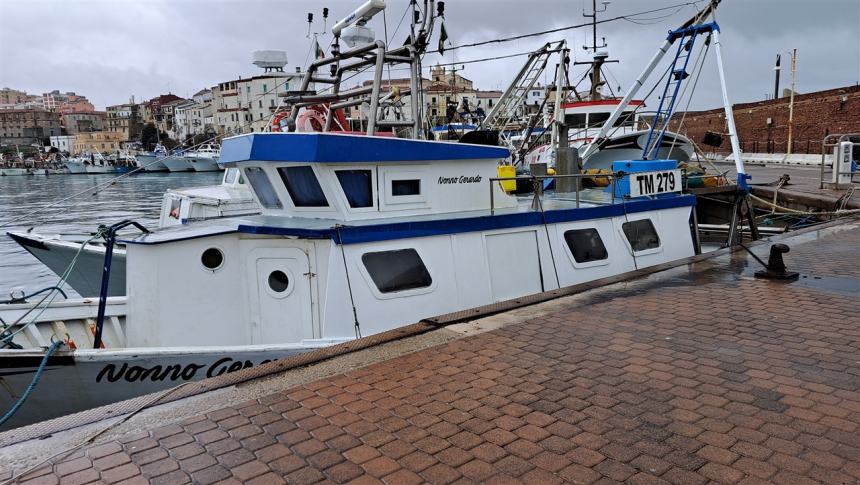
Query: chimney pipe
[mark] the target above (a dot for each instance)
(776, 68)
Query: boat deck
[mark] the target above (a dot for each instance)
(321, 227)
(693, 374)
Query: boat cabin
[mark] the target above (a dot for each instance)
(348, 177)
(361, 234)
(586, 118)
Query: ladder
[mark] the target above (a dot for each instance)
(677, 75)
(514, 96)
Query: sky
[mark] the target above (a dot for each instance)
(111, 50)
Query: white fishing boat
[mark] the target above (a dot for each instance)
(153, 161)
(56, 251)
(176, 162)
(204, 158)
(358, 234)
(13, 171)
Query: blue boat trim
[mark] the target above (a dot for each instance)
(335, 148)
(404, 230)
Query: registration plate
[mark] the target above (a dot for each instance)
(655, 183)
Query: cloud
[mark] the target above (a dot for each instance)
(110, 50)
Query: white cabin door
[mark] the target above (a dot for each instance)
(514, 265)
(283, 312)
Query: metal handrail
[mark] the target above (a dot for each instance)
(825, 145)
(537, 178)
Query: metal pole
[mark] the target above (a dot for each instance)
(776, 80)
(619, 109)
(492, 199)
(791, 101)
(374, 94)
(730, 117)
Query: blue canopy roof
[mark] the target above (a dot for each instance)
(341, 148)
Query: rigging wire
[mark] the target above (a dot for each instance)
(562, 29)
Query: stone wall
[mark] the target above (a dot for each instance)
(763, 126)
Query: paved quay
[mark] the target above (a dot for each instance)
(697, 374)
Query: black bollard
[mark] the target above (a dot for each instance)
(776, 269)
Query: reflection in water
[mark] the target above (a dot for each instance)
(137, 197)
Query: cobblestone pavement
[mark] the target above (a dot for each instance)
(704, 376)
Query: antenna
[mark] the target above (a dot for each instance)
(593, 16)
(325, 19)
(310, 22)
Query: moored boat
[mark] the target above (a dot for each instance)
(204, 158)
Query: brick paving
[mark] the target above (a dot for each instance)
(703, 376)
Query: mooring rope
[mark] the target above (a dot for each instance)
(6, 417)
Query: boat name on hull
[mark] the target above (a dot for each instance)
(174, 372)
(460, 180)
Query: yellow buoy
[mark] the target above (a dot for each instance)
(506, 171)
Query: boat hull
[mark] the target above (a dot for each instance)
(9, 172)
(100, 169)
(86, 276)
(177, 164)
(75, 167)
(88, 378)
(152, 163)
(204, 164)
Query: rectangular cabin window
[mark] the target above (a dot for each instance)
(597, 119)
(406, 187)
(357, 185)
(576, 120)
(585, 245)
(263, 188)
(396, 270)
(641, 234)
(303, 186)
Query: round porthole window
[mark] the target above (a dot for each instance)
(212, 259)
(278, 281)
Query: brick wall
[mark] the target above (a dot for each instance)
(815, 115)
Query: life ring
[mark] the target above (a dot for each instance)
(276, 121)
(312, 119)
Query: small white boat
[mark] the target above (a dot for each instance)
(176, 162)
(153, 161)
(205, 158)
(13, 171)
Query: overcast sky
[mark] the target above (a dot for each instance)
(110, 50)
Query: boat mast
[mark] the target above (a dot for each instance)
(601, 137)
(597, 61)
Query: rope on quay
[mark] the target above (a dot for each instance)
(795, 212)
(6, 417)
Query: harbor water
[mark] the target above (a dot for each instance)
(136, 197)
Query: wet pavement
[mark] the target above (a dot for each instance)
(692, 375)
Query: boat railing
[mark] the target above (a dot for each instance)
(537, 186)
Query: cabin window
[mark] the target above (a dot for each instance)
(597, 118)
(303, 186)
(357, 185)
(263, 188)
(212, 258)
(585, 245)
(406, 187)
(641, 234)
(278, 281)
(575, 120)
(396, 270)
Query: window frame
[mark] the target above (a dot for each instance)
(289, 197)
(341, 194)
(268, 176)
(403, 202)
(629, 244)
(358, 253)
(585, 264)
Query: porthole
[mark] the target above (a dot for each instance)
(279, 281)
(212, 259)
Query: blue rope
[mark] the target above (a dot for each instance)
(32, 385)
